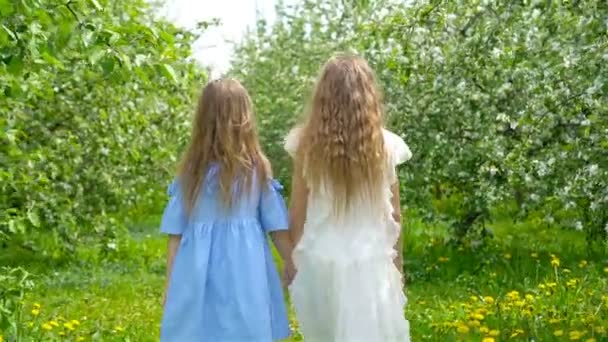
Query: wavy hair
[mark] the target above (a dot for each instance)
(223, 132)
(344, 145)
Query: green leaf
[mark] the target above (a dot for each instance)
(15, 66)
(33, 218)
(108, 64)
(126, 61)
(167, 37)
(9, 32)
(6, 7)
(96, 55)
(96, 4)
(169, 72)
(114, 36)
(51, 60)
(3, 37)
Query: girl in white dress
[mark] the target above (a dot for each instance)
(345, 215)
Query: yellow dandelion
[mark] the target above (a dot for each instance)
(69, 326)
(534, 255)
(62, 333)
(600, 330)
(588, 319)
(119, 329)
(488, 299)
(575, 335)
(516, 333)
(47, 326)
(80, 338)
(1, 338)
(520, 303)
(462, 329)
(605, 269)
(443, 259)
(558, 333)
(507, 256)
(35, 312)
(555, 261)
(529, 297)
(37, 306)
(474, 323)
(587, 340)
(488, 339)
(513, 295)
(582, 264)
(494, 333)
(54, 323)
(572, 282)
(478, 316)
(75, 322)
(484, 329)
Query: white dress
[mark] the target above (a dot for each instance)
(347, 288)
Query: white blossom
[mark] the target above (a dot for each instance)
(593, 169)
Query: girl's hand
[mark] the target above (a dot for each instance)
(289, 272)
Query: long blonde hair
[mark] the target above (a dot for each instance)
(342, 144)
(223, 132)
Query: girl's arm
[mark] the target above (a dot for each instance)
(172, 245)
(297, 206)
(282, 241)
(297, 214)
(397, 217)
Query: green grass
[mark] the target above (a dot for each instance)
(118, 298)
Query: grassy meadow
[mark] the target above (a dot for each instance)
(527, 283)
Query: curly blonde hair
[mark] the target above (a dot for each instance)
(223, 132)
(342, 145)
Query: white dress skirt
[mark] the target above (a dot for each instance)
(347, 288)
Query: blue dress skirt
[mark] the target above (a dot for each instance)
(225, 286)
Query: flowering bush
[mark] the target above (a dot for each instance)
(503, 103)
(95, 102)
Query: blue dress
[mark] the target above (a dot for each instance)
(225, 286)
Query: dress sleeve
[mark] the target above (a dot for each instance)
(292, 141)
(174, 219)
(398, 152)
(402, 151)
(272, 208)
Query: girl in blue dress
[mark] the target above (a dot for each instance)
(222, 283)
